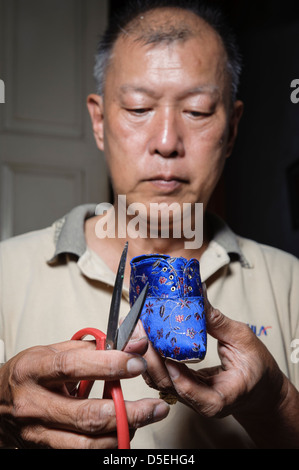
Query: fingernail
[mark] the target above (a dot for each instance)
(173, 370)
(161, 411)
(136, 365)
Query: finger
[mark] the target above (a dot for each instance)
(78, 418)
(37, 436)
(74, 344)
(138, 332)
(193, 390)
(156, 375)
(57, 366)
(140, 413)
(208, 373)
(138, 343)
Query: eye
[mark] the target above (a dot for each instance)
(197, 114)
(138, 111)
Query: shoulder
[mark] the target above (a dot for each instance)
(29, 245)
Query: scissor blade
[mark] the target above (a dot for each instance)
(127, 327)
(115, 302)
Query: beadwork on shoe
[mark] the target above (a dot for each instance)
(173, 314)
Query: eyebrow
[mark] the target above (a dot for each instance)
(202, 89)
(137, 89)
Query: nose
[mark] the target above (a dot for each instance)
(167, 136)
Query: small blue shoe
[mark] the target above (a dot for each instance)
(173, 313)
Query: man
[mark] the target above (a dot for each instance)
(166, 118)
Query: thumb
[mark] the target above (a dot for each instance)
(138, 342)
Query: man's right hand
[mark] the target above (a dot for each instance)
(38, 410)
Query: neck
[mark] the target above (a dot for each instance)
(170, 246)
(110, 247)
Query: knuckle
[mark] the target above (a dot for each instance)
(19, 372)
(217, 318)
(187, 393)
(213, 408)
(32, 436)
(149, 381)
(20, 407)
(164, 384)
(159, 382)
(140, 416)
(63, 364)
(95, 416)
(21, 366)
(208, 407)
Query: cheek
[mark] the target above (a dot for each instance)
(120, 161)
(209, 151)
(124, 150)
(209, 146)
(119, 139)
(215, 133)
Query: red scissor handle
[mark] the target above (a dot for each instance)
(111, 390)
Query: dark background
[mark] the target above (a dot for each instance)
(259, 192)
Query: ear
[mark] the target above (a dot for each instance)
(235, 117)
(96, 110)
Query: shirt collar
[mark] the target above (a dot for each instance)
(227, 239)
(69, 236)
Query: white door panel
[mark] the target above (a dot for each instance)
(48, 158)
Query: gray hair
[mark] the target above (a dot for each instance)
(120, 24)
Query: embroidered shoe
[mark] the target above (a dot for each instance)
(173, 313)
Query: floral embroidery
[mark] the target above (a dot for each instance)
(179, 318)
(149, 307)
(190, 332)
(185, 303)
(160, 333)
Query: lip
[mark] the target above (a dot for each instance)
(166, 183)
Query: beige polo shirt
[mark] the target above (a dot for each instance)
(52, 285)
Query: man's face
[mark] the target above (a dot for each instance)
(166, 124)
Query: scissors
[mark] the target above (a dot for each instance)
(116, 338)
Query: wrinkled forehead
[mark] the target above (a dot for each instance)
(170, 26)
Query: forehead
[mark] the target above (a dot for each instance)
(169, 41)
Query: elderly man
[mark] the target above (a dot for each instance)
(166, 118)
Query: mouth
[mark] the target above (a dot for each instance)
(167, 184)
